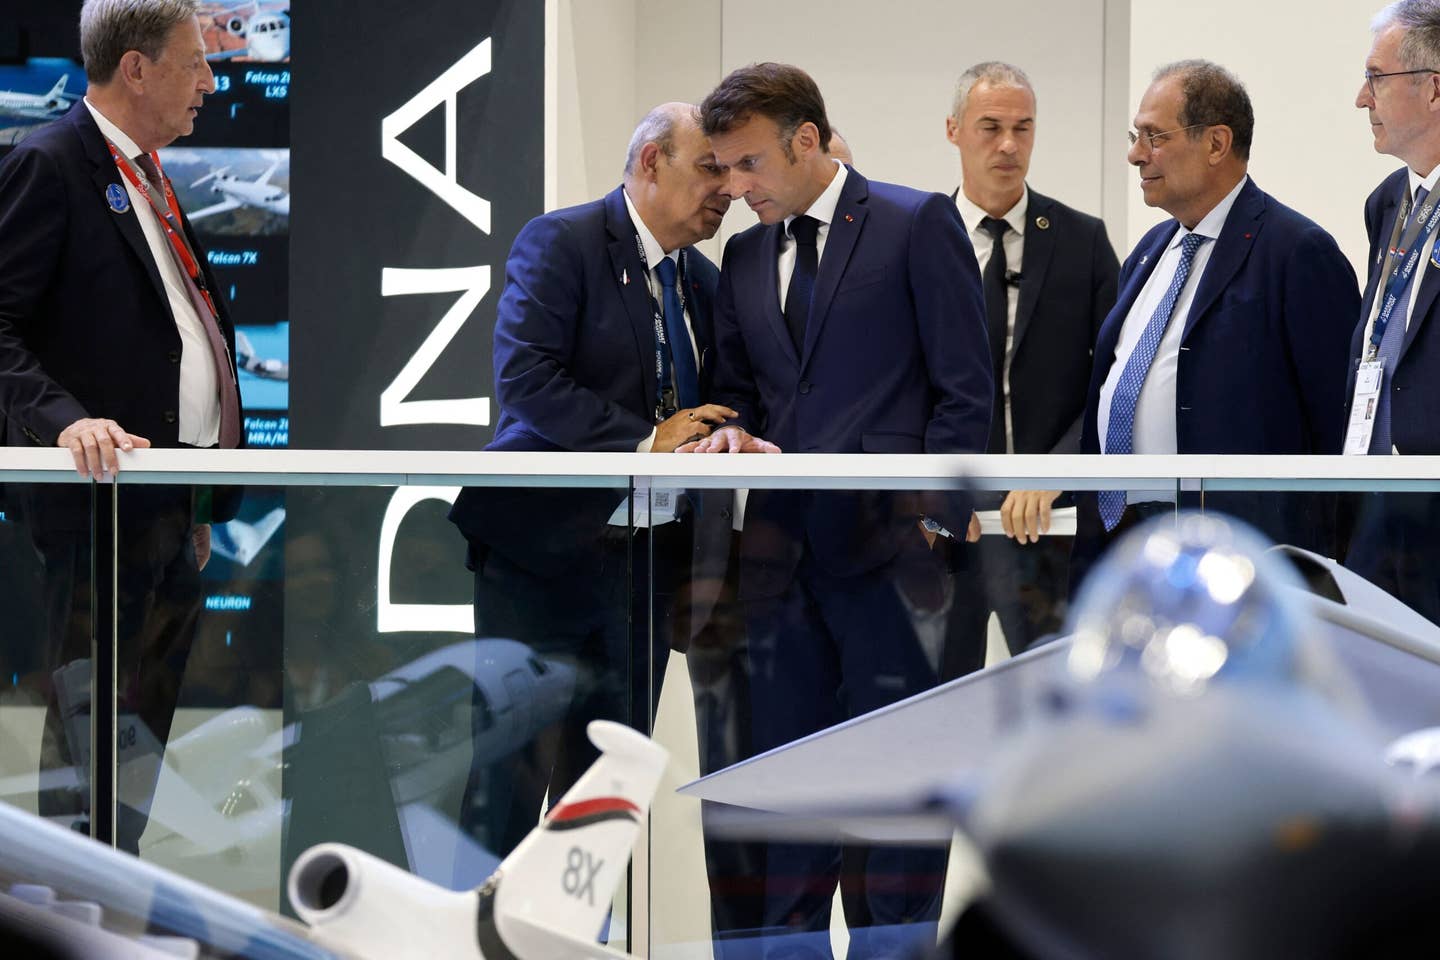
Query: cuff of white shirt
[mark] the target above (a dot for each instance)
(644, 446)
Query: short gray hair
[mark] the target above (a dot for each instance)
(658, 127)
(993, 72)
(111, 28)
(1420, 19)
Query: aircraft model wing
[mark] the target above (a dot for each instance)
(554, 943)
(210, 211)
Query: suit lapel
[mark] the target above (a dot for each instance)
(1035, 261)
(1232, 248)
(702, 323)
(840, 242)
(1149, 258)
(103, 175)
(631, 283)
(1388, 211)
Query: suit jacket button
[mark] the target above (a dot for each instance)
(173, 356)
(804, 386)
(170, 416)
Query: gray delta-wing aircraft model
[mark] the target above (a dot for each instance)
(38, 106)
(547, 901)
(1198, 770)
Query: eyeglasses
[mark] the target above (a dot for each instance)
(1156, 139)
(1371, 76)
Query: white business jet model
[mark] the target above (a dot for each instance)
(38, 106)
(259, 193)
(266, 34)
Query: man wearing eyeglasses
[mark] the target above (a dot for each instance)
(1395, 351)
(1231, 324)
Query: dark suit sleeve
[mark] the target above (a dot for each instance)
(735, 385)
(32, 238)
(536, 334)
(1322, 300)
(1104, 287)
(950, 315)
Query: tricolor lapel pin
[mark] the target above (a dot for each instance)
(624, 278)
(849, 219)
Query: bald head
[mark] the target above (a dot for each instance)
(672, 178)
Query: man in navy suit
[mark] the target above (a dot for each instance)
(1049, 275)
(1232, 323)
(1394, 544)
(849, 320)
(113, 336)
(604, 342)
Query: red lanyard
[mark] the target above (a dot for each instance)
(169, 217)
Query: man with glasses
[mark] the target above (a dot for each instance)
(1395, 350)
(1231, 324)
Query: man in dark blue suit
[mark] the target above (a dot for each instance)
(604, 342)
(849, 320)
(1395, 541)
(1232, 322)
(113, 336)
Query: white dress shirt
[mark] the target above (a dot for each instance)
(1154, 430)
(199, 400)
(1014, 243)
(823, 210)
(653, 255)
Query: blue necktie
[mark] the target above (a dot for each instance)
(1380, 437)
(1120, 437)
(687, 380)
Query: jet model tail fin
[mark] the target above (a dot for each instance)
(59, 87)
(561, 878)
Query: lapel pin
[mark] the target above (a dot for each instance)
(118, 199)
(624, 278)
(1043, 223)
(1144, 259)
(1249, 236)
(849, 219)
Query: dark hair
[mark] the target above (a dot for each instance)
(1213, 96)
(783, 93)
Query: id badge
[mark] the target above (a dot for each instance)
(1363, 406)
(650, 509)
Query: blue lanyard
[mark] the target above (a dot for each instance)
(663, 378)
(1419, 236)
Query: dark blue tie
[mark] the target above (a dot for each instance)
(802, 280)
(1380, 437)
(687, 380)
(1120, 438)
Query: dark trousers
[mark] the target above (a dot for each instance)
(595, 616)
(157, 602)
(825, 650)
(1025, 585)
(1396, 546)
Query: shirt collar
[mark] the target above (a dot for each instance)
(823, 209)
(114, 134)
(1427, 181)
(1211, 224)
(653, 253)
(971, 215)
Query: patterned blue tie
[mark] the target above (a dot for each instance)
(1380, 438)
(687, 381)
(1120, 437)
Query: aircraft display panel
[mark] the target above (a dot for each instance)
(35, 93)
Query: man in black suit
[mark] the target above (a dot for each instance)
(112, 337)
(1394, 544)
(1049, 274)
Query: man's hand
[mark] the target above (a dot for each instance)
(1025, 514)
(93, 444)
(200, 536)
(688, 425)
(729, 440)
(972, 531)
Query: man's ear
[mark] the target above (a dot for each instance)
(1433, 89)
(649, 160)
(952, 130)
(133, 69)
(806, 139)
(1220, 140)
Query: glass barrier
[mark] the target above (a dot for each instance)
(406, 662)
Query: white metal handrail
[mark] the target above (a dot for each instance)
(798, 471)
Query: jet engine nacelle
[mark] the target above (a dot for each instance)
(236, 25)
(365, 906)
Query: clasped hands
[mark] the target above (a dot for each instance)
(702, 430)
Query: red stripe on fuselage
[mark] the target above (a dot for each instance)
(587, 808)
